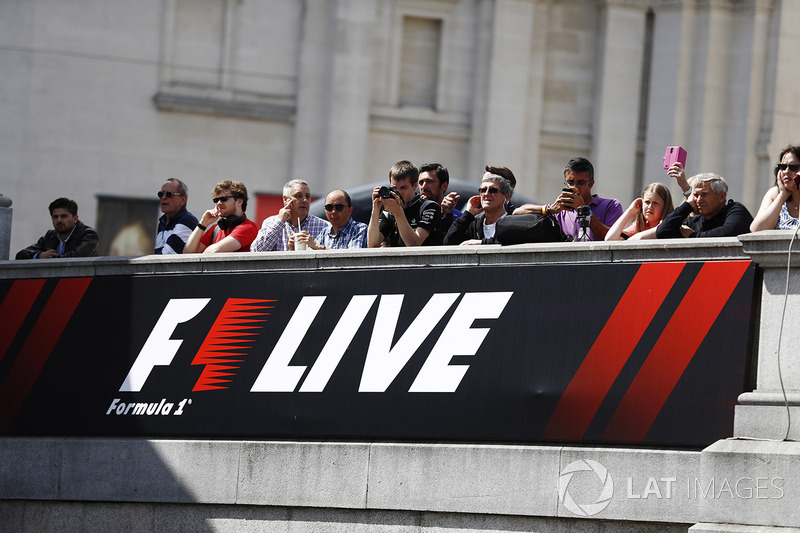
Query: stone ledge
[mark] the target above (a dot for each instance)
(770, 248)
(738, 528)
(25, 516)
(517, 480)
(439, 256)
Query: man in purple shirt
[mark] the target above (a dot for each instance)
(577, 192)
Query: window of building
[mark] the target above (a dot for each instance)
(419, 63)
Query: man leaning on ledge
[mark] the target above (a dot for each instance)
(69, 237)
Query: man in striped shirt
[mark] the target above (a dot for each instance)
(176, 224)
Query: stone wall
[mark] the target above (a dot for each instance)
(746, 483)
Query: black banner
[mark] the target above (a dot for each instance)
(651, 353)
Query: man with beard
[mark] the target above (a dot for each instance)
(69, 237)
(433, 182)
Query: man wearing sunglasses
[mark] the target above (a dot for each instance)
(406, 219)
(713, 216)
(341, 231)
(233, 231)
(477, 224)
(277, 232)
(176, 224)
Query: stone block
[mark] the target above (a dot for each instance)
(352, 521)
(149, 470)
(766, 417)
(12, 516)
(520, 480)
(310, 474)
(738, 528)
(5, 228)
(644, 485)
(220, 519)
(475, 523)
(755, 482)
(86, 517)
(29, 468)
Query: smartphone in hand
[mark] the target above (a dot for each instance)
(674, 154)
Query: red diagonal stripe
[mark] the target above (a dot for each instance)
(612, 348)
(674, 350)
(15, 307)
(38, 346)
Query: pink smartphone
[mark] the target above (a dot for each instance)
(674, 154)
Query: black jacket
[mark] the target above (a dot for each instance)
(466, 227)
(732, 220)
(82, 243)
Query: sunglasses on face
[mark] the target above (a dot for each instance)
(784, 166)
(222, 199)
(338, 207)
(490, 190)
(168, 194)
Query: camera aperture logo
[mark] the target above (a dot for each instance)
(605, 481)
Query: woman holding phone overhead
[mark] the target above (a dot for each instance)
(780, 206)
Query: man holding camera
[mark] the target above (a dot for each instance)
(570, 208)
(406, 219)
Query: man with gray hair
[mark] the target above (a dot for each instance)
(481, 213)
(713, 216)
(176, 224)
(277, 232)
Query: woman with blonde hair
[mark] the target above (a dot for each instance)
(643, 216)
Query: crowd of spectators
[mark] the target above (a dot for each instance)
(415, 209)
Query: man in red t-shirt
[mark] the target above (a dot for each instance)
(233, 231)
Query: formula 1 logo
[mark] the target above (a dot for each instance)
(240, 321)
(603, 499)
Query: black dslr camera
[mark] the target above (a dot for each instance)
(386, 192)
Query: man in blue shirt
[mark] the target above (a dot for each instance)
(341, 231)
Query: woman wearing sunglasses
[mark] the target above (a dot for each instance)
(477, 224)
(779, 208)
